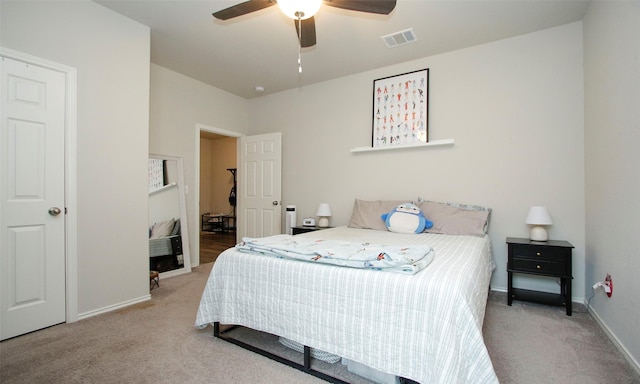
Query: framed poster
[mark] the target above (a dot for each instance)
(157, 174)
(400, 109)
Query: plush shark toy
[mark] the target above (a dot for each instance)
(406, 218)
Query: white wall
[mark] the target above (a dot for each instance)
(514, 108)
(111, 54)
(164, 205)
(612, 134)
(177, 104)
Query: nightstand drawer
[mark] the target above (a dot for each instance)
(539, 266)
(176, 245)
(544, 253)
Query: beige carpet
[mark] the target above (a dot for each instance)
(155, 342)
(531, 343)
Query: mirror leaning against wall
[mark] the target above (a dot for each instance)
(168, 235)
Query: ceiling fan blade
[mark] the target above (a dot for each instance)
(243, 9)
(383, 7)
(308, 32)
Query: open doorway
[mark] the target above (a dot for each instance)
(217, 192)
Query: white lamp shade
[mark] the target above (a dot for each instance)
(324, 210)
(302, 9)
(538, 215)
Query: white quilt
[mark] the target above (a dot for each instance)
(426, 327)
(353, 254)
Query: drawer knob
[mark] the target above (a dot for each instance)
(537, 253)
(538, 266)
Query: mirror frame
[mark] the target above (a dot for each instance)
(182, 202)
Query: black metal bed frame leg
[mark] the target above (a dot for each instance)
(305, 367)
(307, 357)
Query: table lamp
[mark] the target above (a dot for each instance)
(324, 213)
(538, 217)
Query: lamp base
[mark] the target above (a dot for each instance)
(538, 233)
(323, 222)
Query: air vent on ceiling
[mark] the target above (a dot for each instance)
(399, 38)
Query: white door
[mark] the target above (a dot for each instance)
(259, 187)
(32, 212)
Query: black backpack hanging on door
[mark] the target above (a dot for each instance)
(232, 196)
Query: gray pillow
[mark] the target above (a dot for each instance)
(176, 228)
(366, 214)
(162, 229)
(456, 219)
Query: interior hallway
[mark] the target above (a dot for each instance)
(213, 243)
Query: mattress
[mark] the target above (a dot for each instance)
(425, 327)
(160, 246)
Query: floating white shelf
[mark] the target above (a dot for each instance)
(164, 187)
(433, 143)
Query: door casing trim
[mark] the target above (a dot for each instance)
(70, 172)
(196, 190)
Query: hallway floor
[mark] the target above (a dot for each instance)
(213, 243)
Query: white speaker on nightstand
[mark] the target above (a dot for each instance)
(290, 219)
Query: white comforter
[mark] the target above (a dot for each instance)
(353, 254)
(426, 327)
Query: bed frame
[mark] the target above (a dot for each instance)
(468, 362)
(305, 367)
(165, 257)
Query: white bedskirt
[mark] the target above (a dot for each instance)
(426, 327)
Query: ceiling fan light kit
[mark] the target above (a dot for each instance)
(299, 9)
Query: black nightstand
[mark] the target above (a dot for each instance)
(550, 258)
(303, 229)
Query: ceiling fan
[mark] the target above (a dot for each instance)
(302, 11)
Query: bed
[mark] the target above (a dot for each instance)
(425, 326)
(165, 246)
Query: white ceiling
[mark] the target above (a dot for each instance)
(261, 48)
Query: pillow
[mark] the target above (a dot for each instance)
(176, 228)
(367, 214)
(162, 229)
(456, 219)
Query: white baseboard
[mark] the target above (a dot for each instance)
(625, 352)
(114, 307)
(174, 272)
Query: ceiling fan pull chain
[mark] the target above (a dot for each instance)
(299, 44)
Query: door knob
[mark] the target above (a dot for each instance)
(275, 203)
(54, 211)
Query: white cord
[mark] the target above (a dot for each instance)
(299, 44)
(593, 293)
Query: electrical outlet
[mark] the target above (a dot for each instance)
(608, 285)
